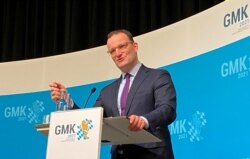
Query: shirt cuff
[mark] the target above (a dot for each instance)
(146, 122)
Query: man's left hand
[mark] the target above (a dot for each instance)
(136, 123)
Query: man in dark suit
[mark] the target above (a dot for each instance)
(149, 101)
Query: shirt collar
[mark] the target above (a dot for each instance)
(134, 70)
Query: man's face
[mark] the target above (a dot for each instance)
(123, 51)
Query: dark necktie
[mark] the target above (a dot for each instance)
(125, 94)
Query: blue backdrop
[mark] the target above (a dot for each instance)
(213, 109)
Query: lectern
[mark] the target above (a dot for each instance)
(80, 133)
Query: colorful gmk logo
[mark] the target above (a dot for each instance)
(83, 129)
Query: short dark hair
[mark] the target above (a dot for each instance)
(129, 35)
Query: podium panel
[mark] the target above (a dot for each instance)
(75, 134)
(115, 131)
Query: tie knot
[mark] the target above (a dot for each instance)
(127, 75)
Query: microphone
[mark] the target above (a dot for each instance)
(91, 92)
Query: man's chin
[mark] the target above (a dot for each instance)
(121, 66)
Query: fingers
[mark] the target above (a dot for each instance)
(55, 95)
(56, 85)
(56, 88)
(136, 123)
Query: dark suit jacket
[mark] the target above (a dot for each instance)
(151, 95)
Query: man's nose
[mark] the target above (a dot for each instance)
(117, 52)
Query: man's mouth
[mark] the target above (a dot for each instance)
(120, 59)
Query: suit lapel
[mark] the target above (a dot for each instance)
(139, 78)
(115, 96)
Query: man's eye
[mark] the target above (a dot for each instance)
(122, 46)
(112, 51)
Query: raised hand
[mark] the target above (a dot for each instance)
(56, 89)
